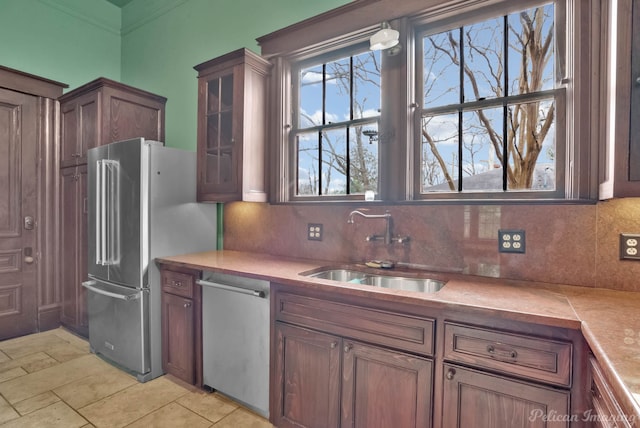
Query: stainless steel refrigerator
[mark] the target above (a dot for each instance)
(142, 205)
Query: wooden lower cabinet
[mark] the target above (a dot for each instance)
(178, 340)
(182, 325)
(384, 388)
(606, 410)
(325, 380)
(473, 398)
(307, 378)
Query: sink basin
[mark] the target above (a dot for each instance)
(422, 285)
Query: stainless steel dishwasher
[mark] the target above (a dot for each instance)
(235, 338)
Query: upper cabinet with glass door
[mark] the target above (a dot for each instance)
(231, 127)
(620, 165)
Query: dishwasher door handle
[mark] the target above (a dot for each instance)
(255, 293)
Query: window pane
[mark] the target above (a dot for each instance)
(482, 150)
(531, 50)
(366, 85)
(483, 60)
(441, 70)
(338, 96)
(532, 147)
(363, 158)
(307, 148)
(439, 160)
(310, 97)
(334, 162)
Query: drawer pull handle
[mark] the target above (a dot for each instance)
(510, 353)
(334, 344)
(450, 374)
(177, 283)
(347, 347)
(187, 305)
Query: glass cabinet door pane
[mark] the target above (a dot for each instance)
(221, 150)
(213, 96)
(227, 92)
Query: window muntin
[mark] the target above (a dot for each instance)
(337, 109)
(489, 100)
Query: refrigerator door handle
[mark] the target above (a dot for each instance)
(90, 285)
(112, 232)
(99, 212)
(107, 220)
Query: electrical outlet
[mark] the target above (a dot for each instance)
(314, 232)
(511, 241)
(629, 246)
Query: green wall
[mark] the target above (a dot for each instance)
(150, 44)
(71, 41)
(159, 55)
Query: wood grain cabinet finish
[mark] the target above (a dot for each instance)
(386, 328)
(474, 398)
(231, 127)
(181, 325)
(98, 113)
(606, 410)
(104, 111)
(519, 355)
(345, 365)
(73, 248)
(620, 158)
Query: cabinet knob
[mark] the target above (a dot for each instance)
(348, 347)
(333, 345)
(177, 283)
(187, 304)
(451, 373)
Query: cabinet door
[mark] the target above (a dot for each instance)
(221, 141)
(384, 388)
(475, 399)
(307, 378)
(73, 254)
(80, 128)
(178, 337)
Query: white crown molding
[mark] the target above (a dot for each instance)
(140, 12)
(86, 11)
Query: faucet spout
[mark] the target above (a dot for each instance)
(386, 216)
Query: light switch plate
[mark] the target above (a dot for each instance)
(629, 246)
(511, 241)
(314, 231)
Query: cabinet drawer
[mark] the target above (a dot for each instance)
(385, 328)
(525, 356)
(177, 283)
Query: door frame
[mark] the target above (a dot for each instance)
(47, 219)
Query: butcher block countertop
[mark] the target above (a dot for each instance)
(609, 320)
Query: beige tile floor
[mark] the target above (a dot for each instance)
(51, 379)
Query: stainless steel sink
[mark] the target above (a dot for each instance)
(422, 285)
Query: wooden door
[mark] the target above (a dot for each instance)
(474, 399)
(384, 388)
(18, 222)
(178, 339)
(307, 378)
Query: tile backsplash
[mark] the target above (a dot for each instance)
(565, 244)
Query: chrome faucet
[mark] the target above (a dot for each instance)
(388, 239)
